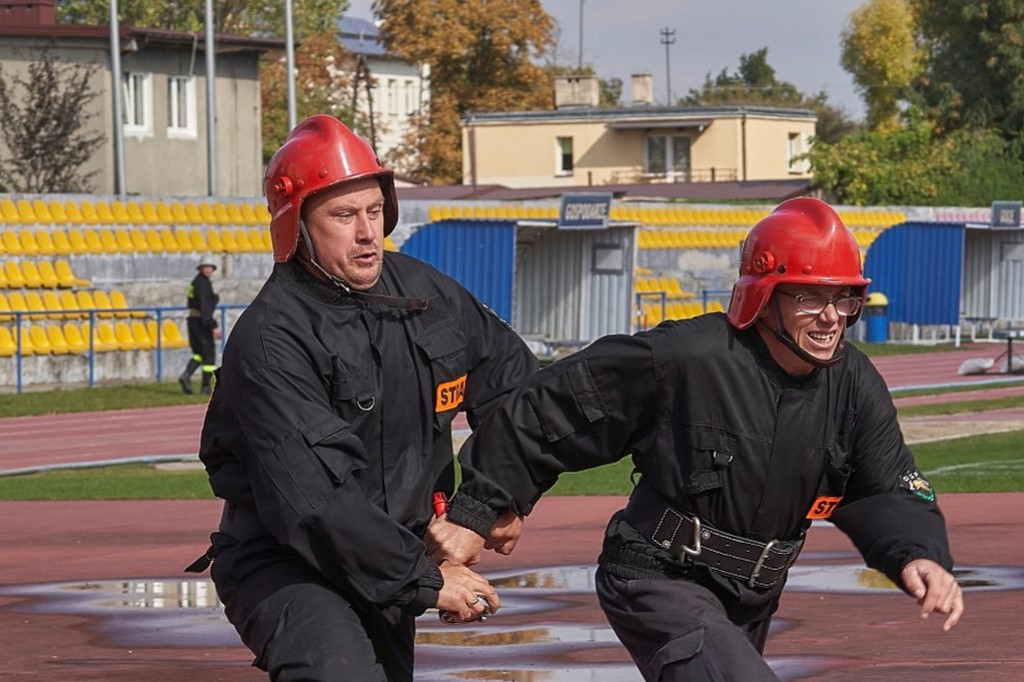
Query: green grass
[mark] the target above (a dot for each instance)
(956, 407)
(130, 482)
(880, 349)
(120, 397)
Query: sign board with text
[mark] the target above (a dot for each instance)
(584, 211)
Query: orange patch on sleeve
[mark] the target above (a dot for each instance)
(822, 507)
(450, 394)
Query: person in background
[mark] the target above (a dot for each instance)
(330, 428)
(202, 327)
(744, 428)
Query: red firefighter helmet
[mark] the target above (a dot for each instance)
(803, 241)
(320, 152)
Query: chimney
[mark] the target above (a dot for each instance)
(577, 91)
(27, 13)
(640, 88)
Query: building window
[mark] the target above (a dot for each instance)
(181, 107)
(794, 151)
(668, 156)
(564, 164)
(411, 106)
(392, 97)
(138, 117)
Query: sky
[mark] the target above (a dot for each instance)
(623, 37)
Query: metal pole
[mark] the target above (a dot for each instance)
(115, 87)
(580, 65)
(289, 51)
(211, 109)
(668, 37)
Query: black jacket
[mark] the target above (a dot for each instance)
(330, 425)
(719, 431)
(201, 299)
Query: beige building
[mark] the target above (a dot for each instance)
(578, 144)
(163, 81)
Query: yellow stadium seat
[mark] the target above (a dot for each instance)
(65, 276)
(153, 241)
(61, 244)
(141, 335)
(12, 270)
(5, 307)
(89, 213)
(30, 272)
(29, 247)
(119, 302)
(58, 215)
(248, 214)
(16, 301)
(104, 215)
(108, 241)
(25, 211)
(12, 243)
(164, 214)
(196, 240)
(214, 240)
(139, 241)
(262, 214)
(44, 241)
(51, 302)
(9, 211)
(172, 336)
(3, 278)
(69, 302)
(125, 338)
(35, 305)
(86, 302)
(105, 338)
(101, 301)
(73, 337)
(123, 240)
(234, 214)
(73, 213)
(119, 212)
(168, 242)
(150, 215)
(76, 240)
(58, 344)
(42, 211)
(206, 213)
(229, 242)
(192, 213)
(220, 213)
(92, 241)
(39, 340)
(134, 211)
(178, 215)
(8, 345)
(242, 240)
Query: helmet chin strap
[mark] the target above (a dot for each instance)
(784, 337)
(392, 301)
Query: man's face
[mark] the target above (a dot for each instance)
(207, 270)
(346, 225)
(816, 330)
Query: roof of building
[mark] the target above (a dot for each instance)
(751, 190)
(646, 116)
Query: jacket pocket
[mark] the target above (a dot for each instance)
(709, 454)
(308, 466)
(445, 347)
(567, 402)
(353, 393)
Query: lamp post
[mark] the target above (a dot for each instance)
(668, 37)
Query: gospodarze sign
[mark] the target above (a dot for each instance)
(584, 211)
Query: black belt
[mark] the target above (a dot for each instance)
(241, 523)
(759, 564)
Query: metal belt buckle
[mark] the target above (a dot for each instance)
(695, 550)
(760, 563)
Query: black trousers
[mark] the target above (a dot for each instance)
(678, 631)
(302, 629)
(201, 341)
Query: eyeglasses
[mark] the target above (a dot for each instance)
(813, 304)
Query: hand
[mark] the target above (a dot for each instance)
(217, 333)
(935, 589)
(466, 596)
(505, 533)
(452, 543)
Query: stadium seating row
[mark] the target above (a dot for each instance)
(84, 212)
(126, 240)
(45, 274)
(73, 337)
(724, 238)
(672, 216)
(65, 304)
(655, 285)
(652, 314)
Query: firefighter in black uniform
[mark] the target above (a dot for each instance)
(744, 427)
(329, 430)
(202, 327)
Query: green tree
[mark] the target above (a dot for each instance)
(44, 130)
(481, 55)
(880, 51)
(974, 73)
(755, 84)
(240, 17)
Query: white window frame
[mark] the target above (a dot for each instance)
(138, 103)
(411, 103)
(560, 169)
(392, 93)
(174, 85)
(796, 147)
(670, 173)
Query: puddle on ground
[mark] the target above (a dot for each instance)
(523, 643)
